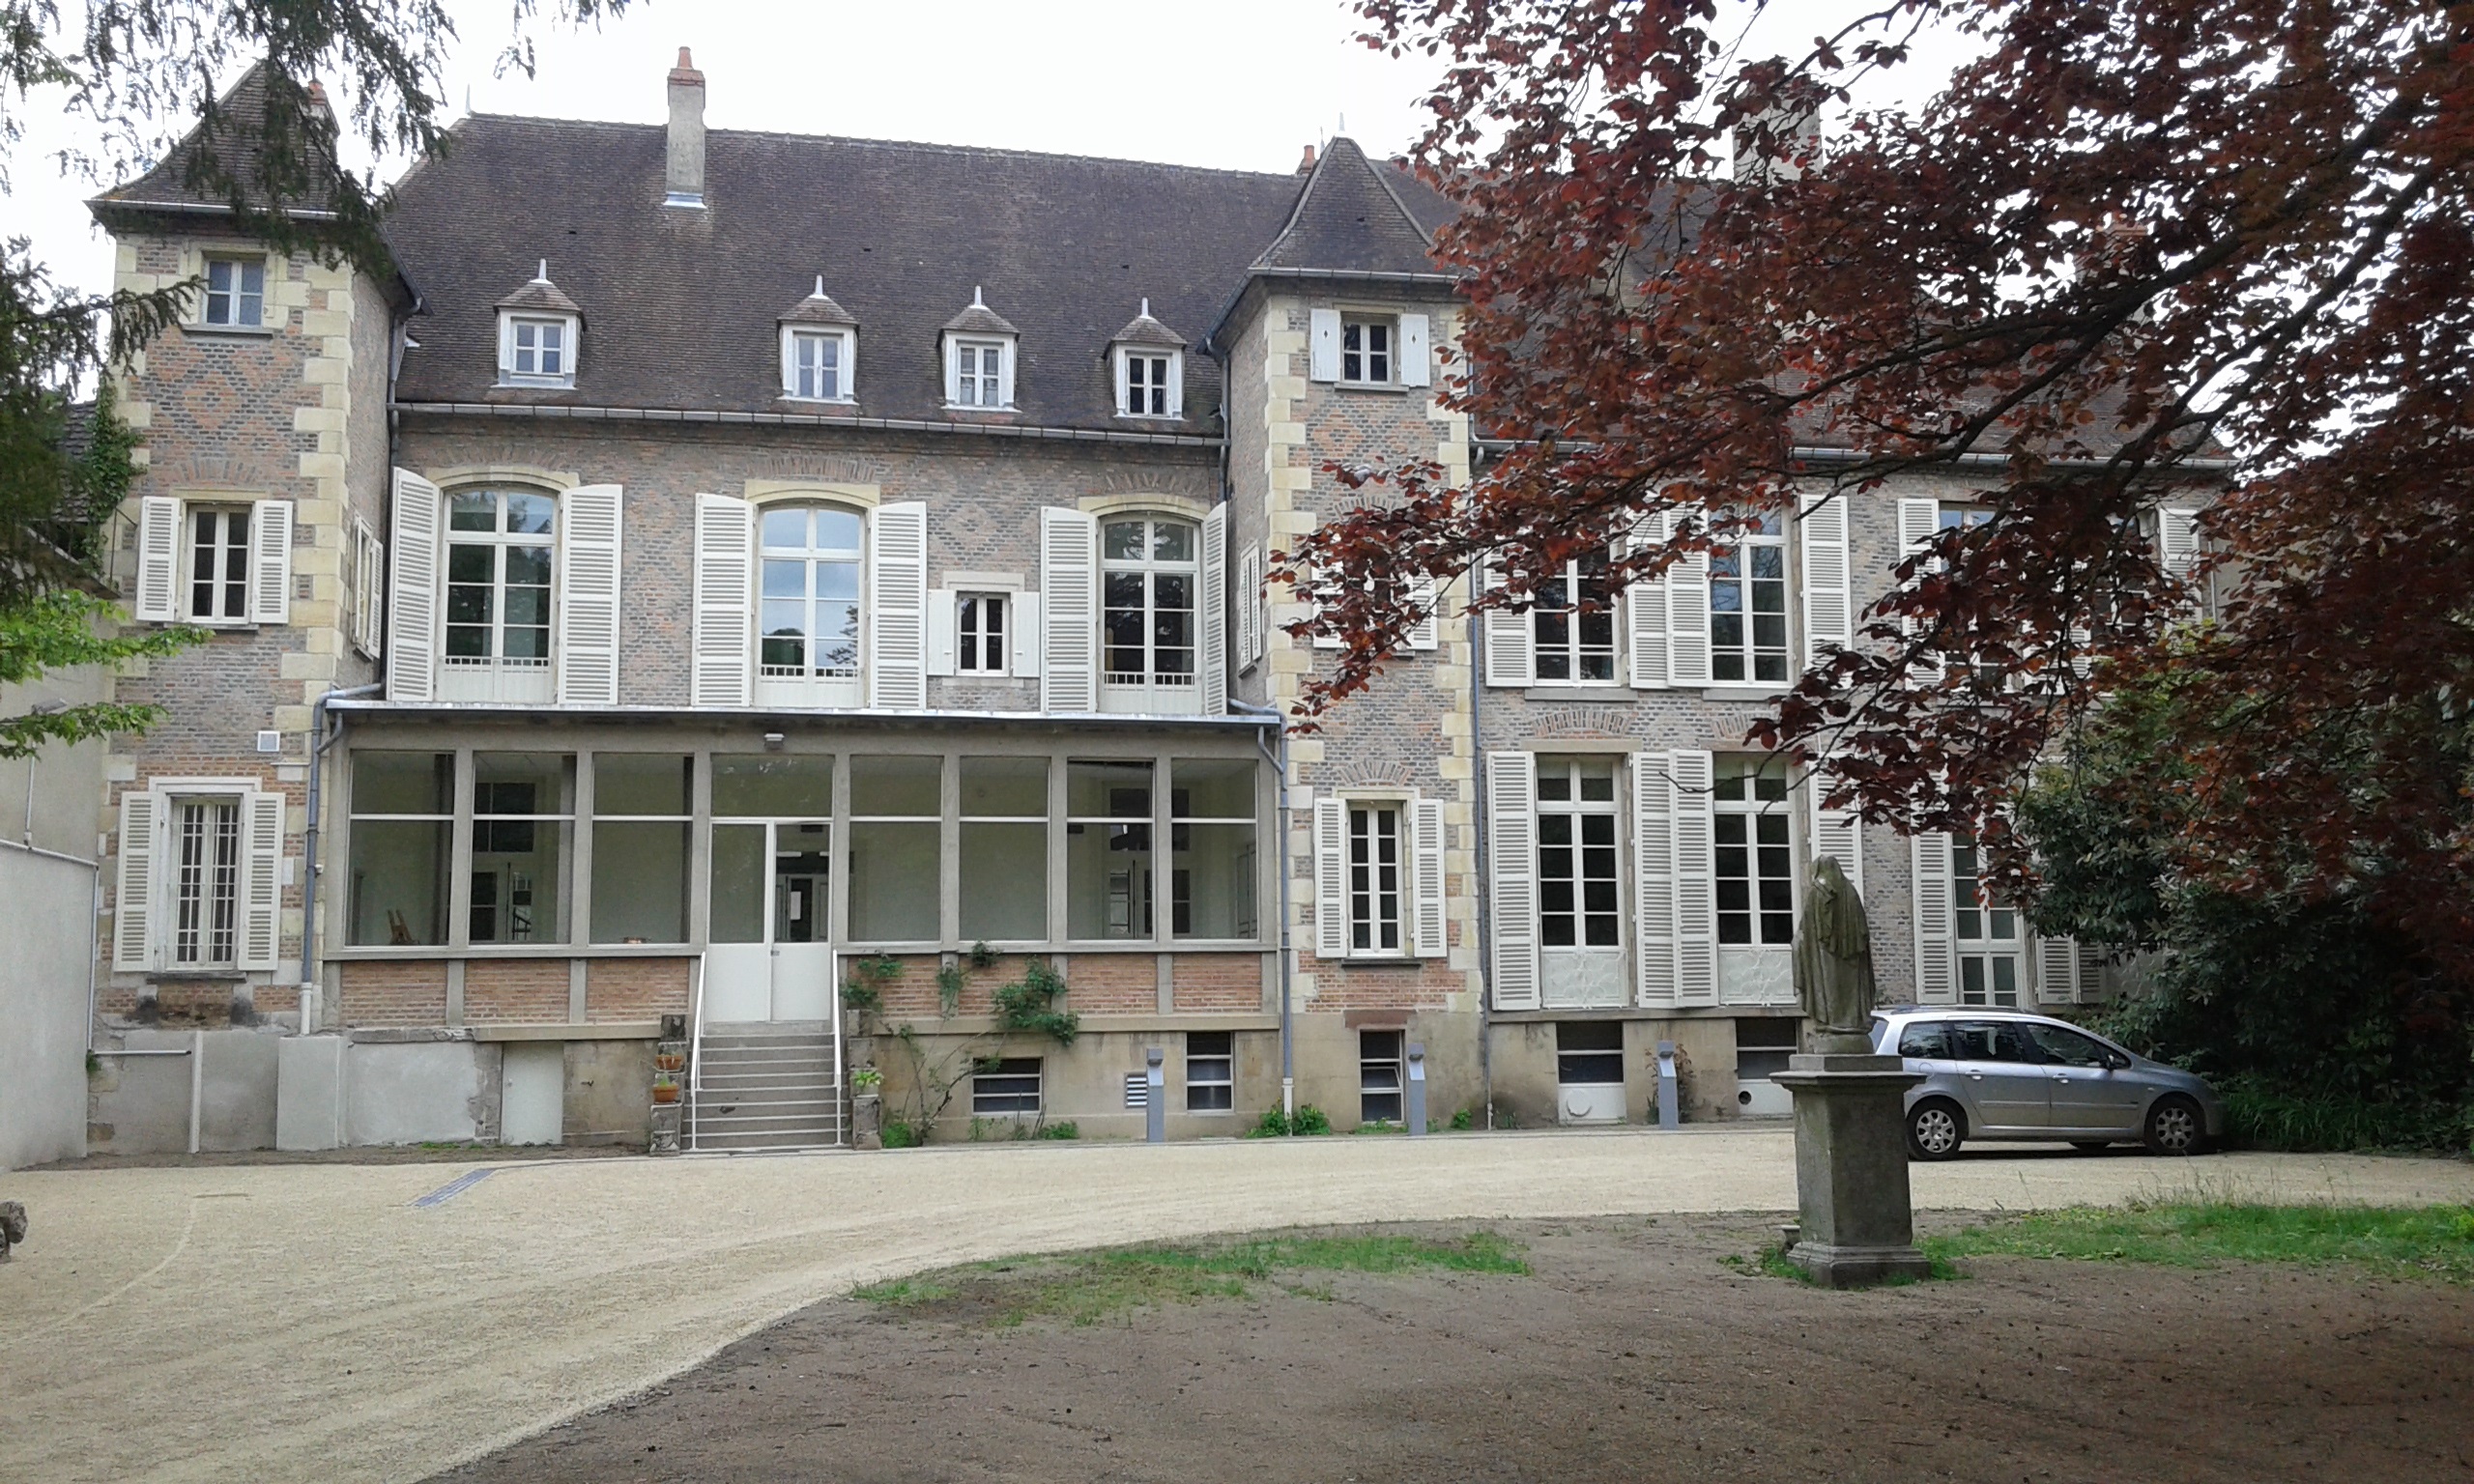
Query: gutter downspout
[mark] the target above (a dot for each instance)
(1287, 1038)
(317, 740)
(1484, 873)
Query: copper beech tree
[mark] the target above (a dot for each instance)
(2213, 247)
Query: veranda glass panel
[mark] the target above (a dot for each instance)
(739, 883)
(894, 881)
(757, 785)
(1004, 881)
(639, 880)
(398, 887)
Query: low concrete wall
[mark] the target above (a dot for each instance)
(420, 1092)
(46, 943)
(610, 1092)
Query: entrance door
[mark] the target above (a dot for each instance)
(771, 957)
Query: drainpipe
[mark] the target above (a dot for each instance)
(1485, 875)
(317, 740)
(1288, 1040)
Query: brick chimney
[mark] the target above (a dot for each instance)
(686, 180)
(1306, 166)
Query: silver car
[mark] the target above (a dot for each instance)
(2001, 1074)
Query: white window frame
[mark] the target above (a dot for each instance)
(1168, 388)
(512, 370)
(496, 676)
(810, 686)
(1577, 807)
(226, 548)
(1372, 1067)
(845, 367)
(1211, 1069)
(1149, 690)
(1747, 653)
(1572, 650)
(979, 346)
(177, 802)
(977, 652)
(146, 904)
(1358, 359)
(236, 295)
(1753, 811)
(1364, 883)
(368, 566)
(1983, 950)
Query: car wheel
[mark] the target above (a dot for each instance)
(2091, 1146)
(1934, 1130)
(2175, 1126)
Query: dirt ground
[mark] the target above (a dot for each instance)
(1630, 1351)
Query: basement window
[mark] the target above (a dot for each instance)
(1007, 1086)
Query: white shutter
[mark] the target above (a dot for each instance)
(1511, 823)
(1330, 879)
(261, 879)
(158, 559)
(2177, 541)
(1920, 521)
(132, 905)
(1416, 350)
(1214, 603)
(897, 606)
(721, 674)
(1250, 605)
(270, 561)
(588, 595)
(2092, 976)
(1005, 376)
(1323, 344)
(2056, 969)
(944, 632)
(1830, 612)
(1838, 834)
(411, 589)
(1936, 969)
(366, 564)
(1688, 620)
(1653, 877)
(1512, 655)
(1645, 609)
(1696, 906)
(1176, 384)
(1069, 624)
(1026, 635)
(1427, 836)
(1427, 632)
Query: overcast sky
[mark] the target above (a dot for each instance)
(1240, 84)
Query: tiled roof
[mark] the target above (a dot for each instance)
(241, 119)
(817, 308)
(1143, 330)
(542, 295)
(980, 320)
(1352, 217)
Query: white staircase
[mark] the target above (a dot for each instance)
(768, 1085)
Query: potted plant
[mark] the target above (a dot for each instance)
(665, 1089)
(669, 1061)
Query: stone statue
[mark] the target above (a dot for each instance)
(1834, 961)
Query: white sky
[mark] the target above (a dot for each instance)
(1241, 84)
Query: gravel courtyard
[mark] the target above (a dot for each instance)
(327, 1321)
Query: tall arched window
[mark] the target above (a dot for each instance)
(1150, 576)
(810, 581)
(501, 547)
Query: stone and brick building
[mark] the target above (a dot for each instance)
(718, 568)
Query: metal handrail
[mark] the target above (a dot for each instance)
(694, 1057)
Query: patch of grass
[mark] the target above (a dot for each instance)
(1085, 1288)
(2403, 1242)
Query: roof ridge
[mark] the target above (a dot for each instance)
(985, 150)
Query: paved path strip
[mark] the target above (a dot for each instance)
(312, 1321)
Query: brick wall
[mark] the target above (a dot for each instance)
(1113, 984)
(635, 988)
(525, 991)
(1219, 981)
(394, 992)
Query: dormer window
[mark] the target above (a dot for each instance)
(539, 330)
(819, 350)
(979, 359)
(1150, 369)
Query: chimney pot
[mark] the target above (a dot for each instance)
(1306, 166)
(685, 175)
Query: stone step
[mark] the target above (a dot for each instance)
(743, 1100)
(762, 1144)
(824, 1124)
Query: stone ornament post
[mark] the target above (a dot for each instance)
(1855, 1223)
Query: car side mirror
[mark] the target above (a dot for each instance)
(2118, 1061)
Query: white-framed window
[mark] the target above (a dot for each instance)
(217, 588)
(1753, 861)
(204, 889)
(1150, 383)
(1368, 352)
(976, 373)
(811, 571)
(501, 550)
(1150, 576)
(1007, 1087)
(368, 566)
(1379, 1058)
(1378, 849)
(983, 632)
(236, 292)
(818, 365)
(1985, 934)
(1573, 625)
(1211, 1072)
(1748, 607)
(537, 350)
(1579, 892)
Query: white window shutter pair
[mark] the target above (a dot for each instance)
(144, 817)
(412, 588)
(1511, 651)
(159, 520)
(590, 517)
(2068, 972)
(897, 613)
(1213, 615)
(1069, 629)
(1511, 859)
(1323, 344)
(1645, 612)
(719, 671)
(1422, 822)
(1830, 612)
(1936, 951)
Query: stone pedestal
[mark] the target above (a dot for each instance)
(866, 1120)
(664, 1138)
(1857, 1226)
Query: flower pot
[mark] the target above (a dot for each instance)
(665, 1092)
(669, 1061)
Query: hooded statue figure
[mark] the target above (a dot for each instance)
(1834, 954)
